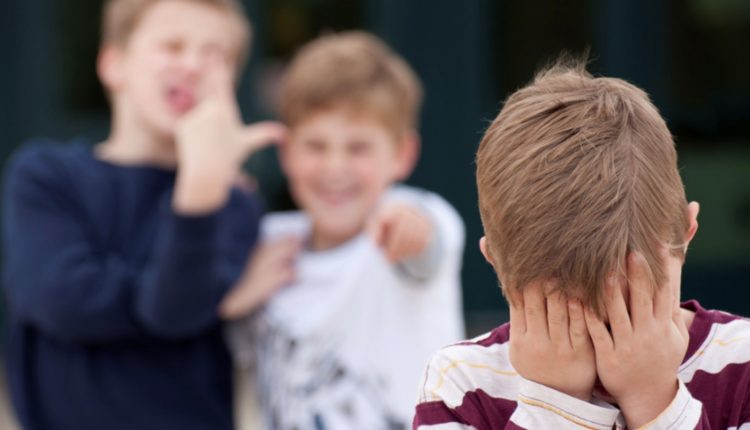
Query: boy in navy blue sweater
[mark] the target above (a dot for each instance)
(117, 255)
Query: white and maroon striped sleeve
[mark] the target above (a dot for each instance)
(714, 389)
(473, 386)
(541, 407)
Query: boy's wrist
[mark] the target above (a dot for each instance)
(640, 408)
(199, 191)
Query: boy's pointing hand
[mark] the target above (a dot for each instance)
(402, 231)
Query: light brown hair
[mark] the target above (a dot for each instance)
(121, 17)
(574, 173)
(354, 70)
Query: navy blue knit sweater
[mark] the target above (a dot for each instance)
(113, 296)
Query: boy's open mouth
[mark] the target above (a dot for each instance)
(180, 99)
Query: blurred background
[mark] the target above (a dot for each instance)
(692, 56)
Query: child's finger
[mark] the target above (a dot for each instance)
(664, 300)
(557, 317)
(679, 321)
(535, 310)
(640, 288)
(579, 336)
(377, 229)
(261, 134)
(397, 242)
(219, 78)
(617, 311)
(409, 245)
(517, 316)
(600, 337)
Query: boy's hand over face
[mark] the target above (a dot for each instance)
(402, 231)
(270, 267)
(549, 343)
(212, 143)
(638, 361)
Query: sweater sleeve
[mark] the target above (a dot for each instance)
(58, 280)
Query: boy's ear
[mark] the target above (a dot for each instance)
(109, 67)
(485, 251)
(693, 210)
(408, 154)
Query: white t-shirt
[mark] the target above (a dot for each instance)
(345, 346)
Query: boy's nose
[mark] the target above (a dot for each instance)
(193, 62)
(336, 162)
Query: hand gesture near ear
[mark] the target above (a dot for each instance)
(638, 361)
(212, 143)
(549, 343)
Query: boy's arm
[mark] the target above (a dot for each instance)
(177, 294)
(60, 281)
(270, 268)
(212, 142)
(409, 238)
(55, 277)
(417, 230)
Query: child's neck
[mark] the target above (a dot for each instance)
(131, 144)
(323, 241)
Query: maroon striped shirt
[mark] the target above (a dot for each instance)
(472, 385)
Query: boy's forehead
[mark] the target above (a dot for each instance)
(344, 118)
(189, 19)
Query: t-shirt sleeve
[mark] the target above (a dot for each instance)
(59, 280)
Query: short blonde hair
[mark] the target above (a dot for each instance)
(355, 70)
(121, 17)
(574, 173)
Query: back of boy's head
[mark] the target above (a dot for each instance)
(120, 18)
(352, 70)
(573, 174)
